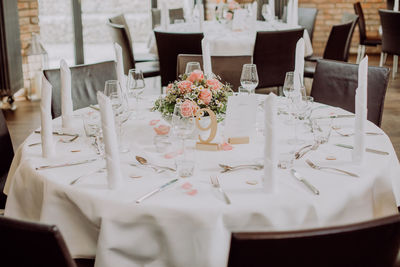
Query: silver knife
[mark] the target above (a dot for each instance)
(58, 133)
(304, 181)
(66, 164)
(367, 149)
(337, 116)
(157, 190)
(94, 107)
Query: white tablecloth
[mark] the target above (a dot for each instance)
(173, 228)
(225, 42)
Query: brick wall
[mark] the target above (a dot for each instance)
(28, 22)
(330, 13)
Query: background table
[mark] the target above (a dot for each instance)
(173, 228)
(225, 42)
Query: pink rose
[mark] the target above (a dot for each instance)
(185, 86)
(205, 95)
(214, 84)
(169, 88)
(195, 76)
(187, 108)
(162, 129)
(153, 122)
(228, 16)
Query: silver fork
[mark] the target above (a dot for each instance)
(299, 155)
(70, 140)
(312, 165)
(215, 183)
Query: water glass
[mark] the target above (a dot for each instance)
(161, 142)
(91, 123)
(249, 77)
(322, 128)
(192, 66)
(185, 163)
(136, 87)
(245, 91)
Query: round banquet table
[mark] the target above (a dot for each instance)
(225, 42)
(189, 224)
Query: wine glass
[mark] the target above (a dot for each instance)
(136, 87)
(119, 104)
(249, 77)
(183, 125)
(192, 66)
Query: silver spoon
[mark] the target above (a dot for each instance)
(144, 161)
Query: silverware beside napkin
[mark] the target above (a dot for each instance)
(370, 150)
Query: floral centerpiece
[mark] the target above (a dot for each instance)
(195, 91)
(226, 10)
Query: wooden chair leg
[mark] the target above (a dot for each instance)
(381, 59)
(395, 64)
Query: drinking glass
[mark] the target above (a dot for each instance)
(136, 87)
(119, 104)
(322, 128)
(192, 66)
(249, 77)
(183, 125)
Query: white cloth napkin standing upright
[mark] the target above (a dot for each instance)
(271, 6)
(289, 12)
(270, 152)
(200, 8)
(361, 112)
(254, 15)
(120, 66)
(46, 130)
(396, 5)
(299, 63)
(114, 175)
(292, 13)
(205, 46)
(164, 16)
(66, 98)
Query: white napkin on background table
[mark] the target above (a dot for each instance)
(66, 98)
(361, 112)
(46, 130)
(292, 13)
(396, 5)
(299, 63)
(205, 47)
(164, 16)
(120, 66)
(270, 152)
(254, 15)
(200, 8)
(114, 175)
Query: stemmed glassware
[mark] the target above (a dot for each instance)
(120, 107)
(183, 125)
(249, 77)
(192, 66)
(136, 87)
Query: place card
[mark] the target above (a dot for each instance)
(240, 121)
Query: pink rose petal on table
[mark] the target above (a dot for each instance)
(192, 192)
(162, 129)
(153, 122)
(225, 146)
(187, 186)
(173, 154)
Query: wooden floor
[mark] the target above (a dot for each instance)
(27, 116)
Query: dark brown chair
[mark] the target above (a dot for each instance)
(390, 21)
(307, 17)
(155, 17)
(120, 20)
(373, 243)
(6, 157)
(26, 243)
(169, 46)
(86, 80)
(337, 47)
(274, 55)
(228, 68)
(335, 84)
(174, 14)
(365, 40)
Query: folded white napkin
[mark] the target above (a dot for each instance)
(114, 175)
(66, 98)
(120, 66)
(361, 112)
(46, 130)
(205, 46)
(271, 6)
(299, 63)
(200, 8)
(164, 16)
(289, 12)
(292, 13)
(254, 15)
(270, 152)
(396, 5)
